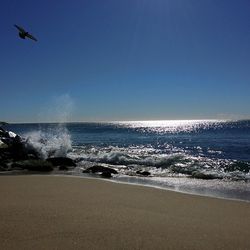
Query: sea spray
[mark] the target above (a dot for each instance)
(59, 109)
(55, 142)
(62, 108)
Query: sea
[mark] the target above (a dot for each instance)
(202, 157)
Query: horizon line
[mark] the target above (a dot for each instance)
(116, 121)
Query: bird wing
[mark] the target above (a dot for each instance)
(31, 37)
(19, 28)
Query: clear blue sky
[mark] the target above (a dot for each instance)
(125, 60)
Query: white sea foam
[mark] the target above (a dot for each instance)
(53, 143)
(170, 163)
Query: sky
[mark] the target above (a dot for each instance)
(107, 60)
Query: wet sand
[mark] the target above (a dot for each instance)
(55, 212)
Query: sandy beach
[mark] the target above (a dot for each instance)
(56, 212)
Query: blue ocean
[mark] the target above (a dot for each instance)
(205, 157)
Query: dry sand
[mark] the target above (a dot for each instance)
(55, 212)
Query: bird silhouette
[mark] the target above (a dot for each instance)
(23, 33)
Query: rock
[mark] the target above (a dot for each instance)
(5, 155)
(144, 173)
(106, 174)
(19, 153)
(3, 145)
(3, 166)
(12, 146)
(205, 176)
(3, 123)
(100, 169)
(15, 153)
(33, 165)
(2, 169)
(61, 161)
(3, 132)
(63, 168)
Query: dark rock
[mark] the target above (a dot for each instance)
(3, 132)
(5, 155)
(100, 169)
(3, 168)
(12, 146)
(106, 174)
(3, 145)
(15, 153)
(33, 165)
(32, 156)
(3, 165)
(183, 170)
(3, 123)
(61, 161)
(63, 168)
(144, 173)
(205, 176)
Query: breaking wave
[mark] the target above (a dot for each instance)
(55, 142)
(163, 164)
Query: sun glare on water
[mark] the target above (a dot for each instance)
(171, 126)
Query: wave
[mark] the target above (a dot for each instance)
(171, 164)
(120, 158)
(54, 142)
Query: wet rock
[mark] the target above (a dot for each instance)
(12, 146)
(182, 170)
(62, 168)
(3, 132)
(3, 145)
(100, 169)
(3, 166)
(106, 174)
(33, 165)
(16, 153)
(144, 173)
(61, 161)
(205, 176)
(2, 169)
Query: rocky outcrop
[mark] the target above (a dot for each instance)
(61, 161)
(17, 154)
(13, 147)
(33, 165)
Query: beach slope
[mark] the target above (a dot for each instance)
(55, 212)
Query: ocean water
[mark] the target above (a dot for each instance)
(206, 157)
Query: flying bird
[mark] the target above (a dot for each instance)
(23, 34)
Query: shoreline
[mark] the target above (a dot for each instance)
(115, 180)
(138, 182)
(47, 212)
